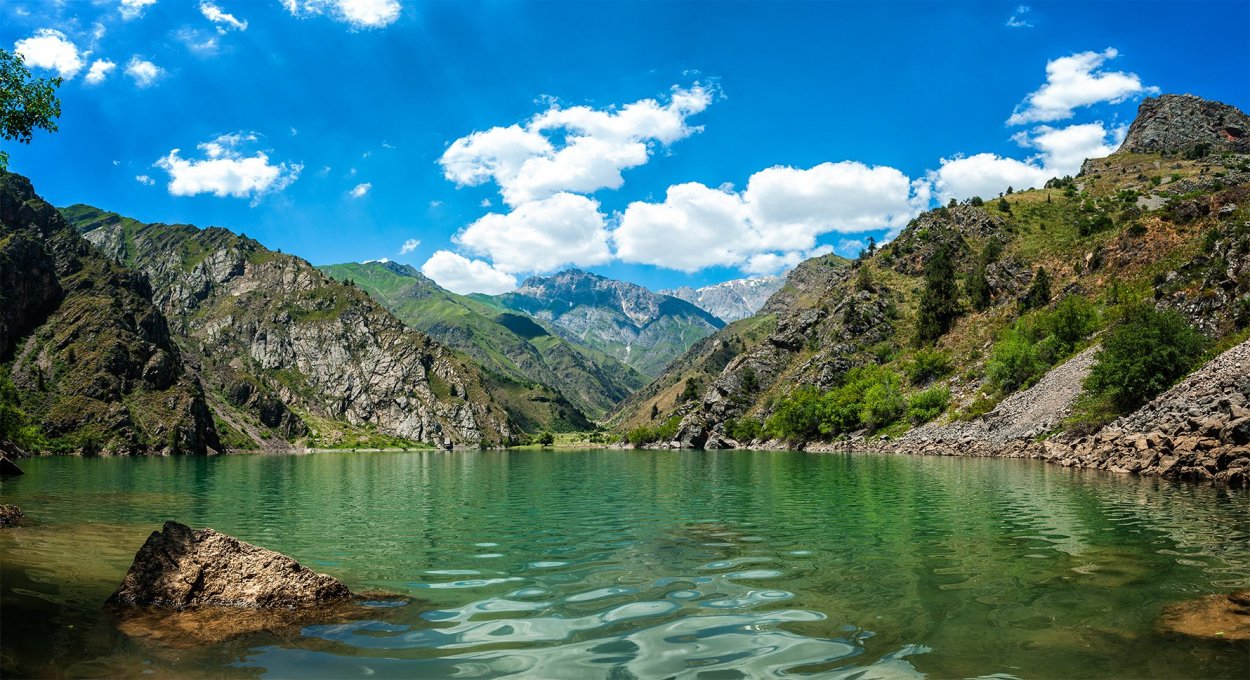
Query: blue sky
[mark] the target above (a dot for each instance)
(662, 143)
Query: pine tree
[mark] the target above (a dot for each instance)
(1039, 292)
(977, 287)
(939, 303)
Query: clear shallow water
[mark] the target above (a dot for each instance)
(645, 564)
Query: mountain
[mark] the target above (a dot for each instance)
(643, 329)
(1132, 229)
(288, 354)
(1185, 124)
(504, 342)
(730, 300)
(90, 358)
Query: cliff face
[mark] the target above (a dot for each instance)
(1185, 124)
(571, 377)
(90, 354)
(286, 351)
(643, 329)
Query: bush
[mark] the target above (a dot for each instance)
(15, 425)
(976, 201)
(928, 404)
(1038, 341)
(798, 416)
(646, 435)
(1144, 353)
(869, 397)
(883, 403)
(743, 429)
(546, 438)
(1013, 362)
(927, 366)
(1038, 294)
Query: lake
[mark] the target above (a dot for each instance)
(644, 564)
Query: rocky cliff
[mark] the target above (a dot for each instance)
(289, 353)
(730, 300)
(640, 328)
(1185, 124)
(90, 355)
(560, 374)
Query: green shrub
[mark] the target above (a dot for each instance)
(1038, 294)
(743, 429)
(927, 366)
(1038, 341)
(928, 404)
(546, 438)
(798, 416)
(646, 435)
(1144, 353)
(870, 397)
(883, 403)
(15, 425)
(1013, 362)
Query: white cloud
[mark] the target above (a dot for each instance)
(358, 13)
(409, 246)
(361, 189)
(1018, 19)
(462, 275)
(224, 20)
(145, 180)
(133, 9)
(100, 69)
(774, 221)
(850, 247)
(565, 229)
(199, 42)
(1061, 152)
(1075, 81)
(575, 149)
(226, 171)
(143, 71)
(50, 49)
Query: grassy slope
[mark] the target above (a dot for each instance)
(1139, 254)
(505, 343)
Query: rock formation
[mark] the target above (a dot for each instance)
(730, 300)
(1183, 123)
(183, 568)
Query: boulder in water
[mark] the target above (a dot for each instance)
(10, 515)
(1219, 617)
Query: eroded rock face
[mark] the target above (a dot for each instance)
(1177, 123)
(184, 568)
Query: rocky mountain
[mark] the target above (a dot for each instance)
(1171, 233)
(288, 354)
(640, 328)
(730, 300)
(504, 342)
(90, 357)
(1185, 124)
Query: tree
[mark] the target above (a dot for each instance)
(939, 303)
(655, 411)
(1039, 293)
(546, 438)
(872, 246)
(977, 287)
(1004, 206)
(26, 104)
(1144, 353)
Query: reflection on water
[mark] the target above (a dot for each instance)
(645, 564)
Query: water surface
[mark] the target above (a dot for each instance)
(617, 564)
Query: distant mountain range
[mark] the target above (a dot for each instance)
(502, 341)
(730, 300)
(643, 329)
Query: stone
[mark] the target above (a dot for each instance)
(8, 467)
(180, 568)
(10, 515)
(1219, 617)
(1237, 432)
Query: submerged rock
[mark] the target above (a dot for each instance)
(180, 567)
(199, 586)
(10, 515)
(1220, 617)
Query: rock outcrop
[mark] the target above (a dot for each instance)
(183, 568)
(8, 467)
(10, 515)
(290, 353)
(1185, 124)
(92, 358)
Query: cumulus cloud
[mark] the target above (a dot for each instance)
(1074, 81)
(1061, 151)
(772, 224)
(564, 229)
(575, 149)
(100, 69)
(409, 246)
(143, 72)
(361, 189)
(357, 13)
(226, 170)
(133, 9)
(462, 275)
(1018, 18)
(224, 20)
(50, 49)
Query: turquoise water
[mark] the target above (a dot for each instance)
(618, 564)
